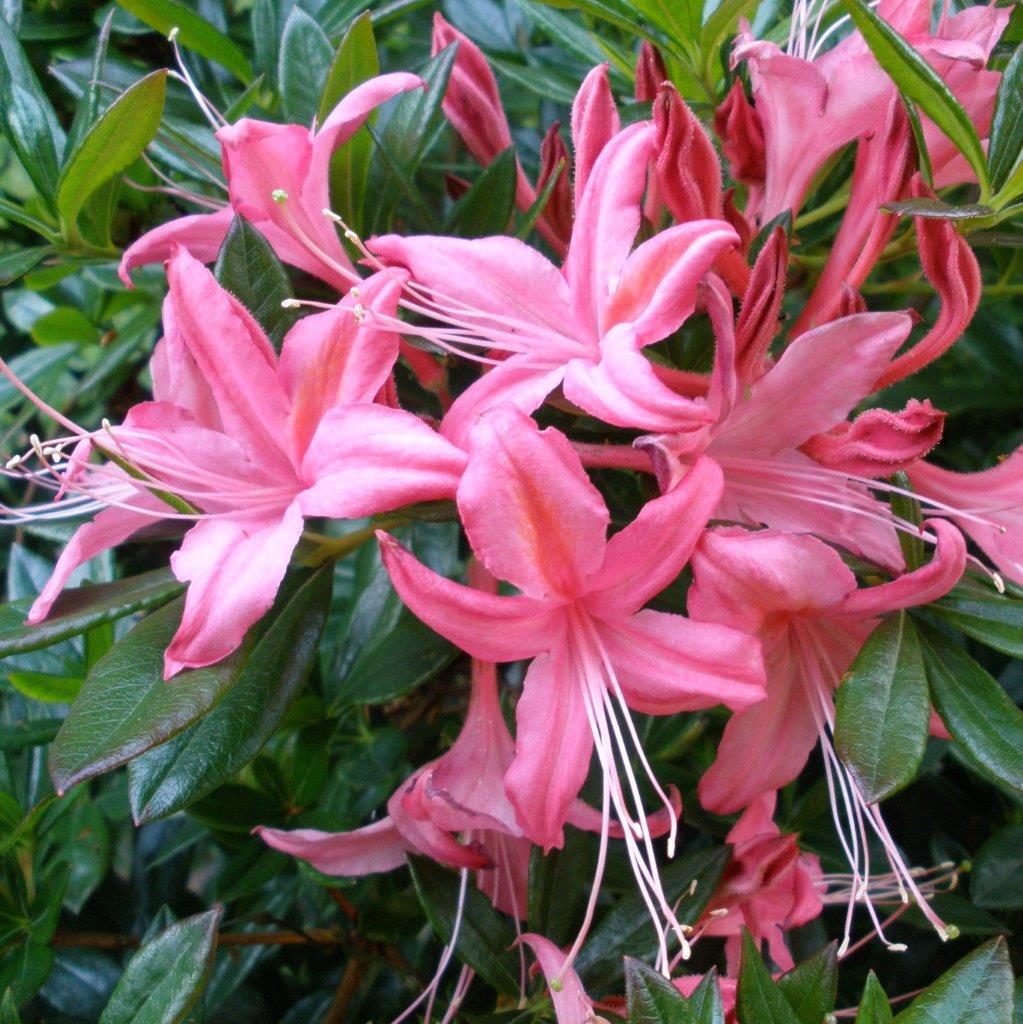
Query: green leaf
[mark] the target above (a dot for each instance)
(50, 689)
(166, 976)
(64, 325)
(305, 60)
(810, 987)
(882, 710)
(356, 61)
(977, 990)
(248, 268)
(719, 24)
(485, 937)
(628, 926)
(651, 999)
(918, 81)
(24, 968)
(20, 261)
(559, 883)
(996, 880)
(112, 144)
(680, 20)
(32, 733)
(976, 608)
(874, 1008)
(9, 1009)
(201, 758)
(194, 33)
(89, 103)
(486, 209)
(79, 610)
(706, 1000)
(1006, 140)
(126, 706)
(759, 1000)
(976, 710)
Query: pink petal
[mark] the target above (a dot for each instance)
(200, 233)
(656, 291)
(645, 556)
(571, 1003)
(666, 663)
(606, 221)
(594, 123)
(553, 744)
(364, 459)
(177, 379)
(486, 626)
(365, 851)
(234, 569)
(234, 356)
(529, 509)
(819, 378)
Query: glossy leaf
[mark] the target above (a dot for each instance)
(248, 268)
(996, 879)
(126, 707)
(165, 978)
(980, 611)
(79, 610)
(882, 710)
(486, 209)
(706, 1000)
(874, 1008)
(810, 987)
(758, 999)
(1006, 142)
(201, 758)
(113, 143)
(918, 81)
(977, 990)
(305, 60)
(194, 33)
(651, 999)
(976, 710)
(485, 937)
(20, 261)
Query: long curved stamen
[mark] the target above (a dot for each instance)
(210, 112)
(281, 198)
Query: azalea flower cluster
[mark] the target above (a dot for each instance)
(761, 480)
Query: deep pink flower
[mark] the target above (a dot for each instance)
(262, 159)
(255, 444)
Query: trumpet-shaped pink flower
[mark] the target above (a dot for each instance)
(582, 326)
(768, 887)
(534, 519)
(798, 597)
(254, 444)
(278, 178)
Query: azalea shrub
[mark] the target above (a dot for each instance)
(513, 511)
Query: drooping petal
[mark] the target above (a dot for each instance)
(819, 378)
(666, 664)
(529, 509)
(645, 556)
(594, 123)
(571, 1003)
(234, 569)
(200, 233)
(365, 851)
(553, 744)
(364, 459)
(486, 626)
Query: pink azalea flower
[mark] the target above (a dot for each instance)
(534, 519)
(768, 887)
(798, 597)
(813, 101)
(254, 444)
(571, 1003)
(582, 326)
(278, 178)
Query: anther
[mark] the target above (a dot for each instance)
(13, 462)
(897, 947)
(173, 34)
(359, 312)
(997, 580)
(290, 304)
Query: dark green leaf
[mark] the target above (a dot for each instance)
(27, 118)
(24, 968)
(651, 999)
(486, 208)
(34, 369)
(248, 268)
(874, 1008)
(628, 926)
(996, 880)
(79, 610)
(113, 143)
(1006, 143)
(485, 937)
(89, 104)
(976, 710)
(9, 1009)
(194, 33)
(882, 710)
(206, 755)
(559, 884)
(20, 261)
(126, 706)
(166, 976)
(706, 1000)
(810, 987)
(759, 999)
(978, 990)
(976, 608)
(918, 81)
(33, 733)
(721, 23)
(305, 60)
